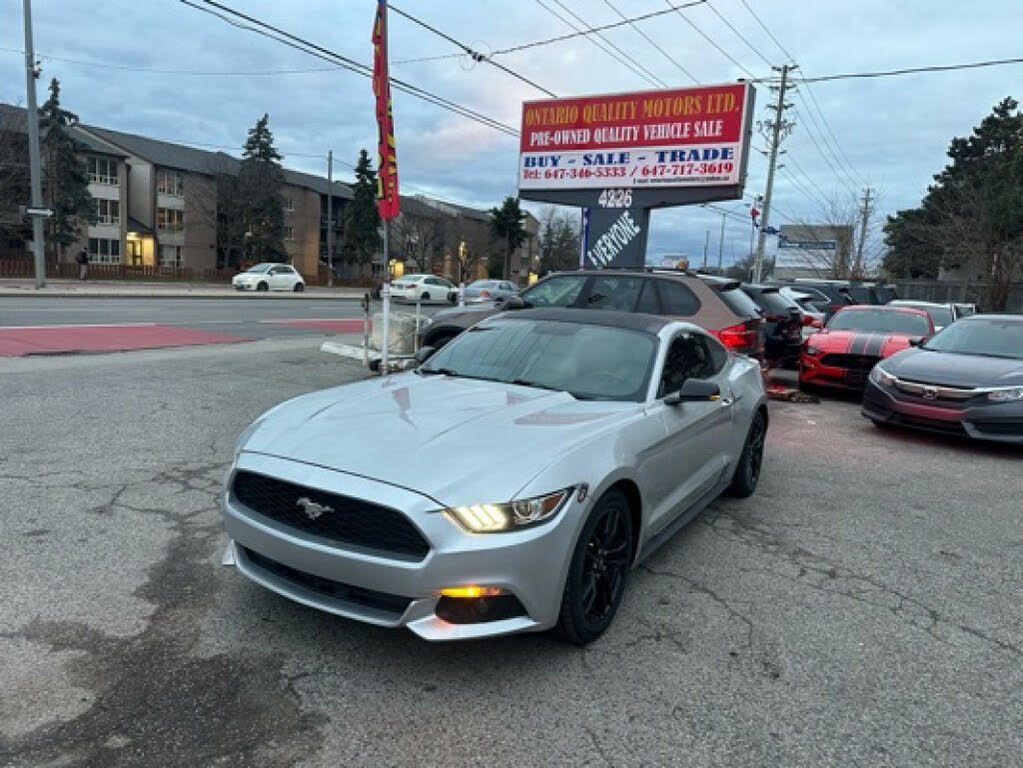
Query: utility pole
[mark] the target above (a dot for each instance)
(864, 218)
(706, 246)
(32, 117)
(721, 243)
(779, 128)
(330, 218)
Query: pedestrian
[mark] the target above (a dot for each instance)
(83, 264)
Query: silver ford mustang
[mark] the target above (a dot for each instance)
(506, 485)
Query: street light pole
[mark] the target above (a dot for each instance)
(32, 118)
(779, 129)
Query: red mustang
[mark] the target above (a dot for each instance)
(842, 353)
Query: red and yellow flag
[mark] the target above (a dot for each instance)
(387, 156)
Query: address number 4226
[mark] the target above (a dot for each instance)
(615, 198)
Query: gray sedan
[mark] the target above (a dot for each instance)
(489, 290)
(507, 485)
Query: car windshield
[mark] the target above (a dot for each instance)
(591, 362)
(258, 268)
(991, 337)
(880, 321)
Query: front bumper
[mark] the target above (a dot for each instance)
(392, 591)
(812, 371)
(996, 422)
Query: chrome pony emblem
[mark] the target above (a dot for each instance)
(311, 508)
(930, 393)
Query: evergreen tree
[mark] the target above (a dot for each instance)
(361, 238)
(65, 176)
(506, 226)
(258, 195)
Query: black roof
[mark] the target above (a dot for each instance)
(633, 321)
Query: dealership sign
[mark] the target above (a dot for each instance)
(651, 142)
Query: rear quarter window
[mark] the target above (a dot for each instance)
(773, 303)
(740, 303)
(677, 299)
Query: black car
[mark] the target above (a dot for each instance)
(783, 323)
(843, 292)
(965, 380)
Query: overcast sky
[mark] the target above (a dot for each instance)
(112, 59)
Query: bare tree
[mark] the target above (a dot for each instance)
(14, 176)
(420, 237)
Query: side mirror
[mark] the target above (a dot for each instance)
(423, 354)
(815, 323)
(514, 302)
(699, 390)
(809, 319)
(916, 341)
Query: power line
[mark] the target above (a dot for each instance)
(789, 157)
(651, 76)
(650, 40)
(475, 55)
(739, 35)
(594, 30)
(619, 59)
(912, 70)
(809, 90)
(326, 54)
(706, 37)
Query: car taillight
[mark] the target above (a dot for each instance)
(485, 294)
(410, 285)
(742, 337)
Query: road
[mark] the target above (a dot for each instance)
(861, 609)
(252, 317)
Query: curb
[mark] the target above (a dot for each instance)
(235, 296)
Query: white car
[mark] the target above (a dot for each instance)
(269, 277)
(423, 288)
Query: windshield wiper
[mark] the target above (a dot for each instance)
(444, 371)
(528, 383)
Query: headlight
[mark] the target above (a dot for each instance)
(1007, 395)
(881, 377)
(513, 516)
(811, 350)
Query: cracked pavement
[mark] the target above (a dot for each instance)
(862, 608)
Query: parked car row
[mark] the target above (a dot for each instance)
(965, 378)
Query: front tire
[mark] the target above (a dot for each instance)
(299, 287)
(263, 287)
(747, 471)
(425, 297)
(598, 571)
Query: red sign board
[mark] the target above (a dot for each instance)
(680, 137)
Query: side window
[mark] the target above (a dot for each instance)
(690, 356)
(677, 299)
(614, 292)
(285, 270)
(556, 291)
(648, 299)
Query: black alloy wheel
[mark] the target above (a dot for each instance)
(747, 471)
(262, 287)
(598, 571)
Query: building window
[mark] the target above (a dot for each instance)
(104, 251)
(170, 219)
(170, 255)
(169, 183)
(289, 233)
(102, 170)
(289, 204)
(109, 211)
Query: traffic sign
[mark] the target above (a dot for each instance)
(44, 212)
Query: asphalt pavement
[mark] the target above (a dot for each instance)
(862, 608)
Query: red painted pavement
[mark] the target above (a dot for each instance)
(18, 341)
(337, 325)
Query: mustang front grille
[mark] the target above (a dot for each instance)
(852, 362)
(330, 516)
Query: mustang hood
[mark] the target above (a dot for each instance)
(455, 440)
(955, 370)
(860, 343)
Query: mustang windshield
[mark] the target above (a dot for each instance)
(879, 321)
(592, 362)
(991, 337)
